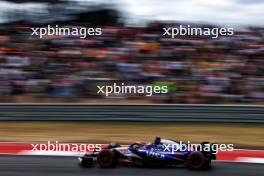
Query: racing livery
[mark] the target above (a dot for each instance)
(162, 152)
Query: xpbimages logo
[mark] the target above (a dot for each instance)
(188, 30)
(65, 147)
(81, 32)
(131, 89)
(213, 148)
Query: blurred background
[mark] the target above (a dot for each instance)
(197, 69)
(132, 49)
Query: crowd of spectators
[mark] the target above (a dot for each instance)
(229, 69)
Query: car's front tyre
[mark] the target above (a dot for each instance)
(107, 158)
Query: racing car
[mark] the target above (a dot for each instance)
(163, 152)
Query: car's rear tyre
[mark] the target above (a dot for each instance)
(196, 161)
(107, 158)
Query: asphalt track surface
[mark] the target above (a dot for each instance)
(68, 166)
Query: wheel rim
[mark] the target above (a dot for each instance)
(196, 161)
(105, 158)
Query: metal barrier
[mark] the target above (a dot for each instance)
(176, 112)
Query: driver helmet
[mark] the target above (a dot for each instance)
(157, 140)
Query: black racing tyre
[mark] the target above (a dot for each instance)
(107, 158)
(196, 160)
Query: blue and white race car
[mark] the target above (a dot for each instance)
(162, 152)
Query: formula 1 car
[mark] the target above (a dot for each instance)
(162, 152)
